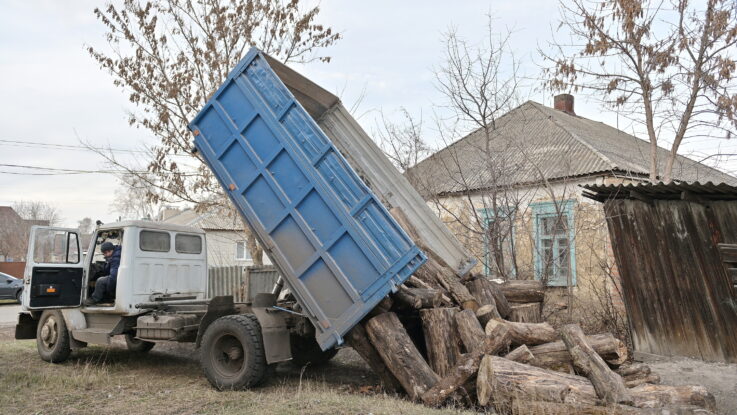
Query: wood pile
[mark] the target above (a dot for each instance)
(443, 339)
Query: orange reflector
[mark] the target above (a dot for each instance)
(231, 186)
(196, 132)
(51, 290)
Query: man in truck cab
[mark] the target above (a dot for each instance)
(105, 286)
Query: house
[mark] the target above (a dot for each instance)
(14, 233)
(226, 238)
(512, 194)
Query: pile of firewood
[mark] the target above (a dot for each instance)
(443, 339)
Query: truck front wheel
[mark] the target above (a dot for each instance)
(232, 354)
(52, 337)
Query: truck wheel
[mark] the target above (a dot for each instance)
(306, 351)
(52, 337)
(138, 345)
(232, 354)
(18, 295)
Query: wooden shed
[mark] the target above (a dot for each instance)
(676, 250)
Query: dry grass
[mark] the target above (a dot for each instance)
(112, 380)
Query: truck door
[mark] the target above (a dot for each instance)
(53, 275)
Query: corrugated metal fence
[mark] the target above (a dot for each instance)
(243, 283)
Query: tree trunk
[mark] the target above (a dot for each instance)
(523, 291)
(358, 340)
(400, 355)
(486, 313)
(653, 378)
(418, 283)
(526, 333)
(441, 338)
(489, 293)
(470, 330)
(417, 298)
(554, 355)
(521, 354)
(526, 313)
(633, 370)
(656, 396)
(608, 385)
(506, 381)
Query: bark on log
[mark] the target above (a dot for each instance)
(359, 341)
(489, 293)
(384, 306)
(441, 338)
(554, 355)
(417, 298)
(523, 291)
(521, 354)
(418, 283)
(653, 378)
(526, 333)
(526, 313)
(469, 329)
(506, 381)
(633, 370)
(656, 396)
(608, 385)
(486, 313)
(520, 407)
(400, 355)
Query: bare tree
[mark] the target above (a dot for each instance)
(133, 199)
(667, 65)
(38, 211)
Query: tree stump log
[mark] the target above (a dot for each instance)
(554, 355)
(657, 396)
(489, 293)
(400, 355)
(470, 330)
(526, 333)
(608, 385)
(523, 291)
(359, 341)
(652, 378)
(526, 313)
(633, 370)
(521, 354)
(486, 313)
(417, 298)
(441, 338)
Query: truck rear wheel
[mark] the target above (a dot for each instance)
(52, 337)
(306, 351)
(138, 345)
(232, 354)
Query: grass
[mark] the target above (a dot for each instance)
(8, 302)
(104, 380)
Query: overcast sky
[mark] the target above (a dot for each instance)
(54, 93)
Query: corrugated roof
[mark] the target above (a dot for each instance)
(532, 143)
(207, 220)
(662, 191)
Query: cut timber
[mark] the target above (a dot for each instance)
(489, 293)
(523, 291)
(633, 370)
(470, 330)
(441, 338)
(520, 407)
(526, 313)
(505, 381)
(554, 355)
(653, 378)
(359, 341)
(418, 283)
(521, 354)
(656, 396)
(384, 306)
(400, 355)
(526, 333)
(486, 313)
(417, 298)
(608, 385)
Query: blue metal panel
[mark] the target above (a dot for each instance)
(336, 245)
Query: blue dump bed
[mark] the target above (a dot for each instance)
(335, 244)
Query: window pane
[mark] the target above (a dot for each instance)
(240, 248)
(50, 247)
(155, 241)
(188, 244)
(73, 249)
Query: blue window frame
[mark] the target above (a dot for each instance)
(555, 248)
(506, 214)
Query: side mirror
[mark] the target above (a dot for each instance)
(9, 281)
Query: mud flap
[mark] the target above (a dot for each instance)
(217, 307)
(273, 328)
(26, 327)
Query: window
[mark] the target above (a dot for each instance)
(555, 259)
(499, 254)
(241, 251)
(55, 247)
(188, 244)
(155, 241)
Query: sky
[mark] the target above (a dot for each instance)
(55, 94)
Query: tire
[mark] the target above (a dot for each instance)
(306, 351)
(138, 345)
(52, 337)
(18, 295)
(232, 354)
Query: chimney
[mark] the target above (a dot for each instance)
(564, 102)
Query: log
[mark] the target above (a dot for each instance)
(526, 333)
(554, 355)
(653, 378)
(400, 355)
(359, 341)
(470, 330)
(507, 381)
(384, 306)
(488, 293)
(633, 370)
(526, 313)
(520, 407)
(441, 338)
(521, 354)
(416, 298)
(608, 385)
(523, 291)
(486, 313)
(418, 283)
(656, 396)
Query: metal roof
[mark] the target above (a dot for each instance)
(532, 143)
(215, 220)
(662, 191)
(148, 224)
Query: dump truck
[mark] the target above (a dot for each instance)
(322, 221)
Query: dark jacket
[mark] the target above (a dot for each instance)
(113, 263)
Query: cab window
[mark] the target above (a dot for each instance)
(188, 244)
(154, 241)
(55, 247)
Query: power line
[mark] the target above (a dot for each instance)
(53, 171)
(36, 144)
